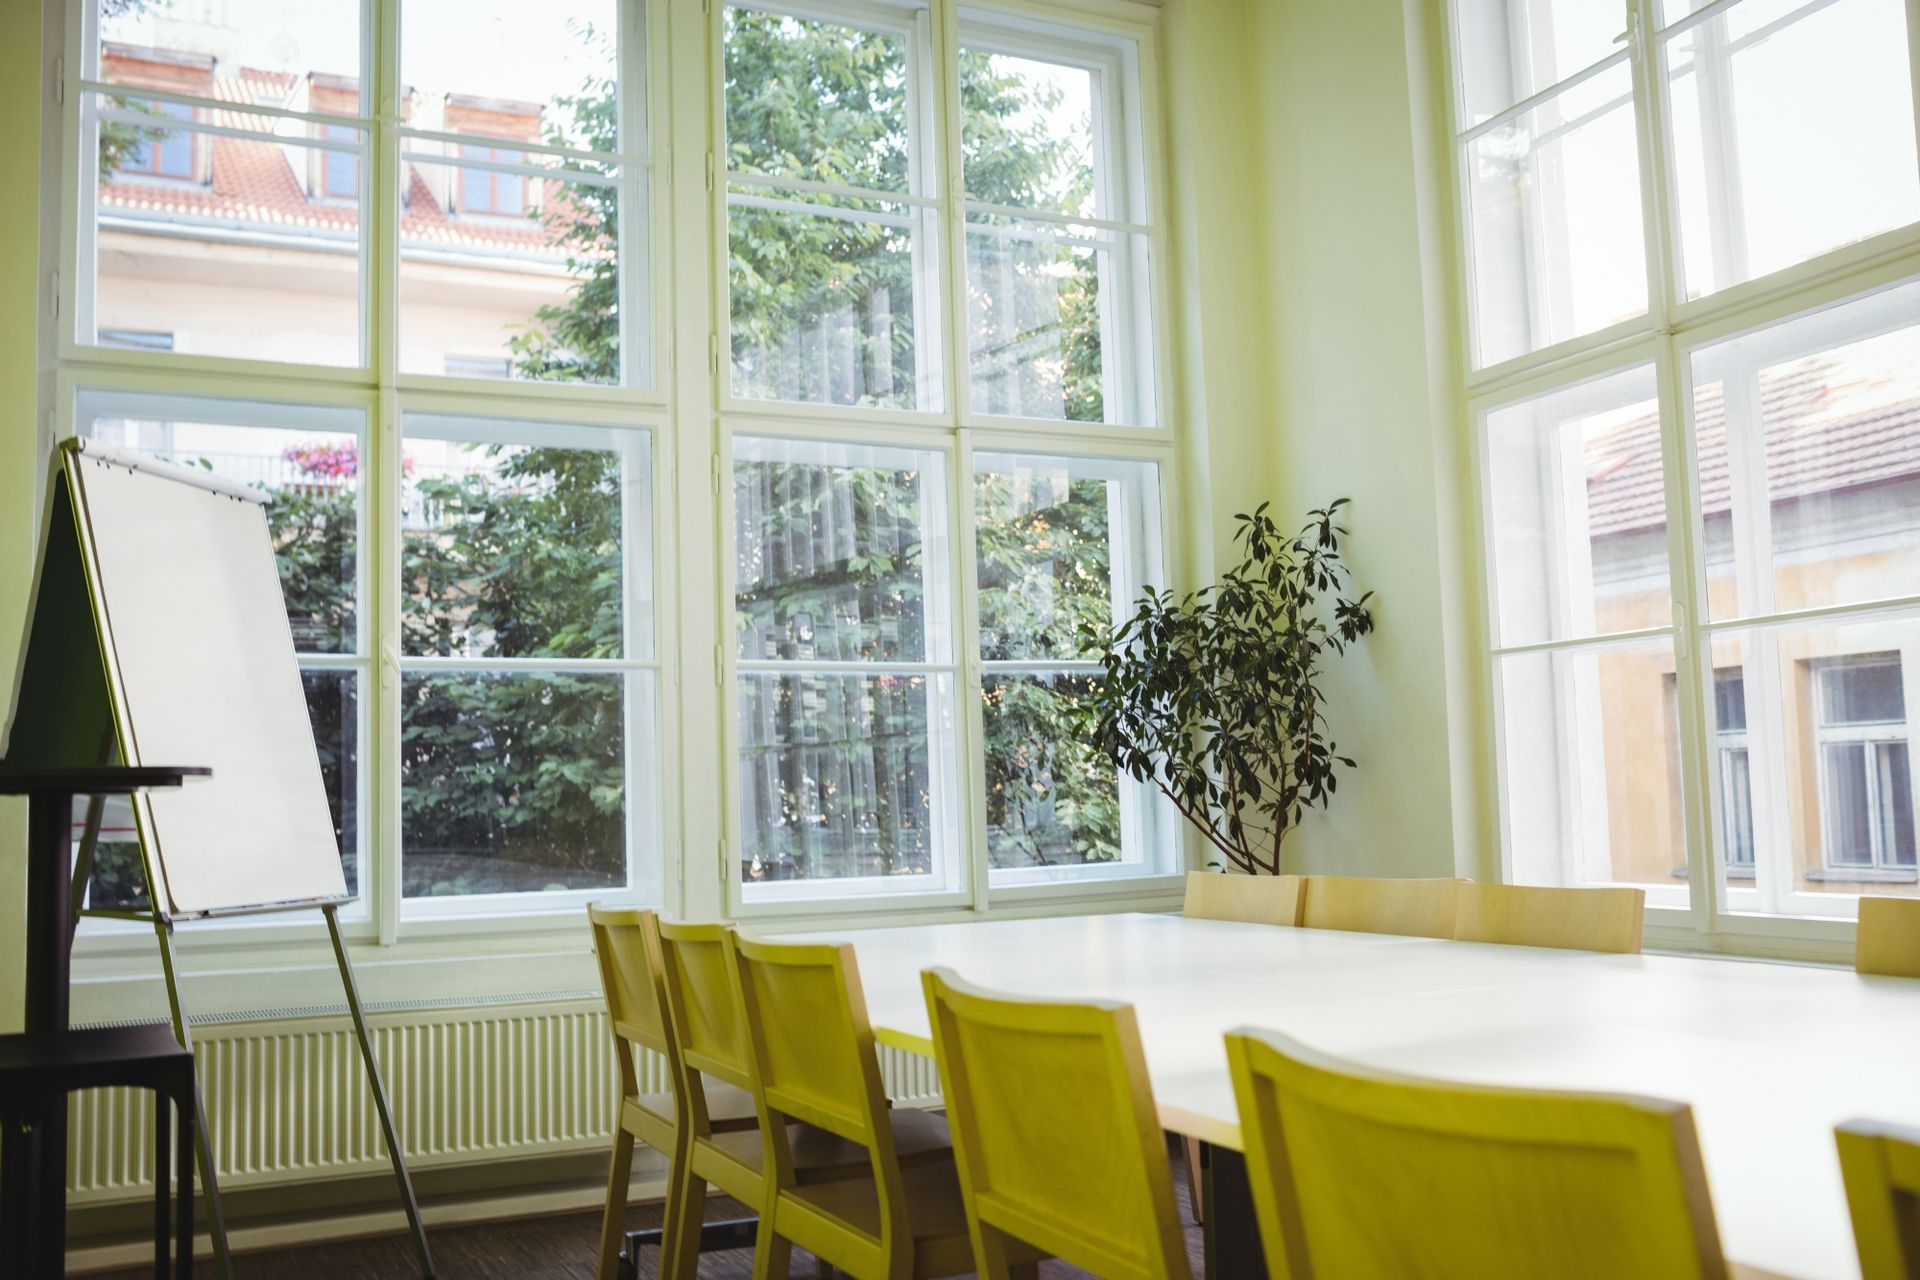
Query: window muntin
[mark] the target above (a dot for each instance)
(1576, 512)
(307, 458)
(844, 640)
(1064, 547)
(1059, 312)
(834, 259)
(528, 699)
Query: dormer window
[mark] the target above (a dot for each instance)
(163, 153)
(340, 170)
(488, 190)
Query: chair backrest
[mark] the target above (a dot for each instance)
(812, 1043)
(1887, 941)
(1365, 904)
(1054, 1128)
(1359, 1175)
(1248, 899)
(1596, 919)
(626, 945)
(1881, 1166)
(703, 1008)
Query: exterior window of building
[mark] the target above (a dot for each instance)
(158, 150)
(478, 367)
(1867, 796)
(339, 170)
(488, 190)
(1697, 430)
(136, 339)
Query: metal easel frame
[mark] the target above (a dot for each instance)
(163, 933)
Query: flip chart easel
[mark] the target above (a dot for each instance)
(157, 632)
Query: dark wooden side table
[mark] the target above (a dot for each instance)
(50, 794)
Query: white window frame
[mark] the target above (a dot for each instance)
(677, 392)
(1871, 737)
(1673, 329)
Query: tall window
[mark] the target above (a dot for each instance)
(911, 639)
(766, 591)
(1694, 299)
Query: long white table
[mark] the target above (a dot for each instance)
(1771, 1056)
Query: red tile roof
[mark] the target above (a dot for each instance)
(253, 183)
(1832, 422)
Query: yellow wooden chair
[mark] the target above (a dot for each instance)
(816, 1064)
(1056, 1132)
(1881, 1166)
(1364, 904)
(1247, 899)
(1364, 1175)
(1595, 919)
(626, 943)
(1887, 941)
(708, 1019)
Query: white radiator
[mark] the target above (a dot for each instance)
(287, 1099)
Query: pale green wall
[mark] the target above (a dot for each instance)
(19, 317)
(1338, 339)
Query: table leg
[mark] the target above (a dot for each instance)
(49, 886)
(1232, 1233)
(186, 1109)
(162, 1174)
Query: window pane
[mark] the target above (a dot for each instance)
(1793, 134)
(1831, 800)
(1052, 798)
(833, 301)
(1590, 768)
(533, 73)
(822, 101)
(1064, 545)
(1862, 693)
(1819, 420)
(1056, 319)
(1513, 49)
(515, 540)
(513, 782)
(1577, 510)
(304, 56)
(233, 243)
(1030, 134)
(1557, 245)
(1736, 800)
(847, 777)
(1847, 801)
(307, 459)
(840, 553)
(1893, 793)
(1730, 701)
(523, 266)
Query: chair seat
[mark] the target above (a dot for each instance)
(935, 1211)
(919, 1137)
(728, 1107)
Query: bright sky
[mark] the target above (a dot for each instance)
(493, 48)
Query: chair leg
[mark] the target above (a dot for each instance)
(772, 1254)
(686, 1209)
(162, 1175)
(613, 1222)
(1191, 1145)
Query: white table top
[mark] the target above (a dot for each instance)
(1771, 1056)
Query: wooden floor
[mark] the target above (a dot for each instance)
(559, 1247)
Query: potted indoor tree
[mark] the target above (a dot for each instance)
(1214, 699)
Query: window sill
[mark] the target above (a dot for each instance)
(1865, 875)
(257, 970)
